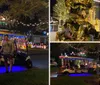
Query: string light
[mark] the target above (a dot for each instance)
(33, 25)
(96, 52)
(30, 24)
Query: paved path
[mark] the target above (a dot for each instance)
(39, 58)
(40, 61)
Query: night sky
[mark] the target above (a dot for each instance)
(52, 3)
(3, 8)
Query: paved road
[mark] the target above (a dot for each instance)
(39, 59)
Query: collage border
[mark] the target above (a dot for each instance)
(98, 42)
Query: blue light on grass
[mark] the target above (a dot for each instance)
(55, 75)
(80, 74)
(14, 69)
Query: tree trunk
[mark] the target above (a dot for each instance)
(59, 26)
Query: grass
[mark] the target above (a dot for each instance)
(67, 80)
(29, 77)
(54, 69)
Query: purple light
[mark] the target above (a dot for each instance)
(14, 69)
(80, 74)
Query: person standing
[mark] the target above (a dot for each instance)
(8, 51)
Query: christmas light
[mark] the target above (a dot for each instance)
(28, 25)
(19, 22)
(97, 0)
(33, 25)
(96, 52)
(3, 19)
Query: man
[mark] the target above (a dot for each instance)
(8, 50)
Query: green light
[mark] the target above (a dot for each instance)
(3, 23)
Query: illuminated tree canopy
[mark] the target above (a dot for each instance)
(74, 15)
(27, 12)
(16, 8)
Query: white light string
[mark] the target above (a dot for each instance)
(81, 50)
(30, 24)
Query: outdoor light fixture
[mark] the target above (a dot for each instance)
(97, 0)
(81, 54)
(3, 19)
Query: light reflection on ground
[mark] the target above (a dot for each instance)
(55, 75)
(14, 69)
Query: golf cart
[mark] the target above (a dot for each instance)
(21, 58)
(72, 64)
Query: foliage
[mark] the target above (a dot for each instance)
(61, 12)
(75, 13)
(23, 7)
(87, 47)
(25, 11)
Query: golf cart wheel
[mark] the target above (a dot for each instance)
(28, 64)
(65, 73)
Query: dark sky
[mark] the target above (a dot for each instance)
(3, 8)
(55, 51)
(52, 3)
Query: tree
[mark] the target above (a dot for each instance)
(23, 7)
(91, 49)
(24, 11)
(76, 14)
(61, 13)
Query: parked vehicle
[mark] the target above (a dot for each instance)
(20, 58)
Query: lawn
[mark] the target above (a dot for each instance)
(33, 76)
(54, 69)
(67, 80)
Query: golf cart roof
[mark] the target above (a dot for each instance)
(75, 58)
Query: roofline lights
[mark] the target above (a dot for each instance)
(97, 1)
